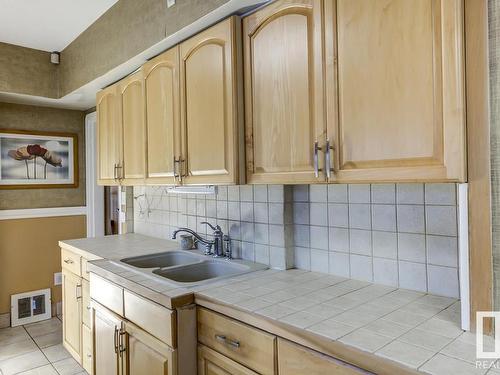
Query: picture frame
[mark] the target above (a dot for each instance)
(38, 159)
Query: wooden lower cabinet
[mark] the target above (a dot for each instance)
(144, 354)
(122, 348)
(72, 313)
(294, 359)
(211, 362)
(87, 349)
(107, 327)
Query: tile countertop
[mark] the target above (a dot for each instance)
(328, 313)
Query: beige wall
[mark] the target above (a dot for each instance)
(27, 71)
(15, 116)
(30, 255)
(125, 30)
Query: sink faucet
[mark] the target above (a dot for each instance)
(217, 242)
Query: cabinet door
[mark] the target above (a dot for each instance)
(87, 349)
(145, 354)
(108, 136)
(161, 81)
(134, 129)
(209, 105)
(297, 360)
(395, 95)
(86, 302)
(106, 326)
(211, 362)
(72, 312)
(284, 92)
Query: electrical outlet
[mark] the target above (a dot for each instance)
(57, 278)
(170, 3)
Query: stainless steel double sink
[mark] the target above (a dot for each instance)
(190, 268)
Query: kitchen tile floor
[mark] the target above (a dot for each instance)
(36, 349)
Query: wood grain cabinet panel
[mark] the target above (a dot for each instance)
(109, 136)
(294, 359)
(147, 355)
(133, 129)
(244, 344)
(212, 363)
(106, 327)
(161, 83)
(283, 71)
(394, 87)
(72, 312)
(209, 105)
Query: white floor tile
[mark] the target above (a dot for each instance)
(17, 348)
(23, 363)
(44, 370)
(56, 353)
(68, 367)
(44, 327)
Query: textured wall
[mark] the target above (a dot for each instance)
(494, 56)
(125, 30)
(27, 71)
(22, 117)
(29, 254)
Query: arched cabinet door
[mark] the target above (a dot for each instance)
(395, 89)
(133, 122)
(210, 120)
(108, 136)
(161, 88)
(283, 71)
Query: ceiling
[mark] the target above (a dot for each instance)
(47, 25)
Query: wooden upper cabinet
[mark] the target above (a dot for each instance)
(394, 86)
(108, 136)
(134, 132)
(161, 83)
(283, 71)
(209, 105)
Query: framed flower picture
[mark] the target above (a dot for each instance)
(31, 159)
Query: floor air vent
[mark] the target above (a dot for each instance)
(30, 307)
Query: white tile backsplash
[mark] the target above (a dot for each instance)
(384, 193)
(386, 230)
(410, 193)
(338, 215)
(336, 193)
(402, 235)
(411, 218)
(359, 216)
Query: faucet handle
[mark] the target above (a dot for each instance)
(208, 249)
(216, 228)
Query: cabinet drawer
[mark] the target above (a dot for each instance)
(71, 261)
(85, 272)
(106, 293)
(155, 319)
(87, 348)
(294, 359)
(249, 346)
(86, 302)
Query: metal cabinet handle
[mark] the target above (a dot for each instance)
(88, 308)
(225, 340)
(121, 342)
(120, 174)
(115, 340)
(68, 261)
(114, 172)
(328, 165)
(317, 169)
(78, 292)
